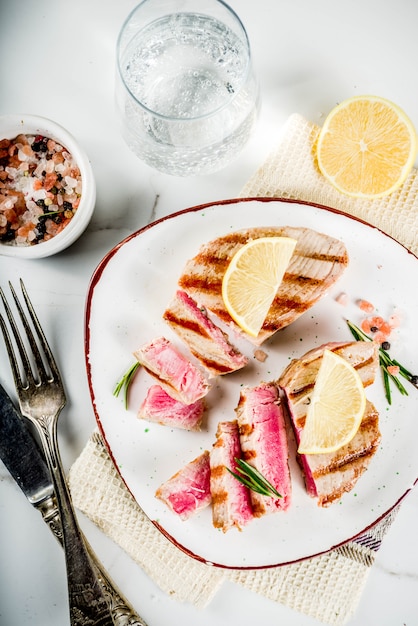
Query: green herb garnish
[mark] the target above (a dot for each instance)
(385, 361)
(125, 381)
(49, 213)
(253, 479)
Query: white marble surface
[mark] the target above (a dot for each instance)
(57, 60)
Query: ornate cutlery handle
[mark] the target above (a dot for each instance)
(122, 613)
(88, 601)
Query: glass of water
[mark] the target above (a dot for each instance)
(186, 93)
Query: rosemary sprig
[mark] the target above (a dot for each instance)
(125, 381)
(253, 479)
(385, 361)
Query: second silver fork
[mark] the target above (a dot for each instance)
(92, 598)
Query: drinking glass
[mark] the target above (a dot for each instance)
(186, 94)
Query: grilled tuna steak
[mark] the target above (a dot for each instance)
(161, 408)
(329, 476)
(188, 491)
(231, 505)
(316, 264)
(264, 444)
(206, 341)
(176, 374)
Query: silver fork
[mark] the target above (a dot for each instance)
(93, 598)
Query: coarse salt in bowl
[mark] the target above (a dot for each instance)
(58, 208)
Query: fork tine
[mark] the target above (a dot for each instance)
(10, 351)
(42, 374)
(56, 376)
(27, 369)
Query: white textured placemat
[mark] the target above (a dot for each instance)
(327, 587)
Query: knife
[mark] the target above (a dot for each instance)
(23, 459)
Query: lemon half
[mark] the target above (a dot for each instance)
(336, 409)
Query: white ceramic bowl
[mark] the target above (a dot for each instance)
(13, 125)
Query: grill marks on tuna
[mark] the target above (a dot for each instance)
(317, 263)
(329, 476)
(231, 503)
(206, 341)
(264, 445)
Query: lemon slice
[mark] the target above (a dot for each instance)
(336, 409)
(366, 147)
(252, 279)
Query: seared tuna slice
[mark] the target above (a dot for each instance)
(316, 264)
(329, 476)
(264, 444)
(176, 374)
(298, 379)
(300, 374)
(231, 505)
(206, 341)
(188, 491)
(159, 407)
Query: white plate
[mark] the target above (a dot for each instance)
(129, 292)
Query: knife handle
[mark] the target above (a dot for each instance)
(122, 613)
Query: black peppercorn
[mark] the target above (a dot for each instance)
(39, 145)
(9, 235)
